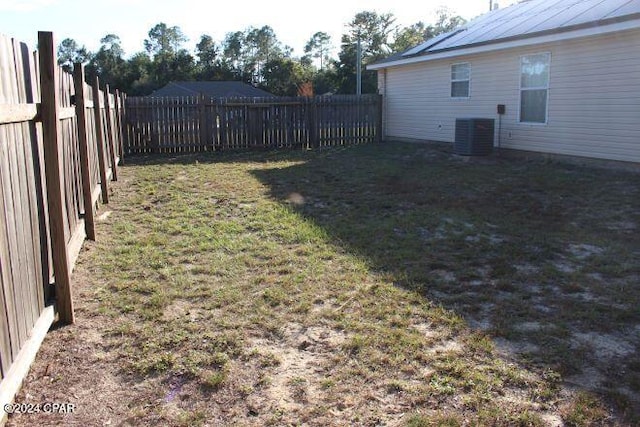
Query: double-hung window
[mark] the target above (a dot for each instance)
(534, 87)
(460, 78)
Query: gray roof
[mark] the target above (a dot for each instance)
(216, 89)
(528, 18)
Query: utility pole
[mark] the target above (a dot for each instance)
(490, 5)
(359, 68)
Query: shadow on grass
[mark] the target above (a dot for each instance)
(542, 257)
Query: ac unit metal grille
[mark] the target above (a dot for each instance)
(474, 137)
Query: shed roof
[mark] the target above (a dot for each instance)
(526, 19)
(216, 89)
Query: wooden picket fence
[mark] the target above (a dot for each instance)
(200, 123)
(60, 144)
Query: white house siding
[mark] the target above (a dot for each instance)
(594, 98)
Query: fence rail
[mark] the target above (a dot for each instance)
(200, 123)
(60, 143)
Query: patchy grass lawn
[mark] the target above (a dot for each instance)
(389, 284)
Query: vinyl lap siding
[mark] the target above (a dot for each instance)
(419, 103)
(594, 98)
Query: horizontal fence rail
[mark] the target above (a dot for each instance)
(200, 123)
(60, 143)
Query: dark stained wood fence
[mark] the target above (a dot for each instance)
(60, 143)
(197, 124)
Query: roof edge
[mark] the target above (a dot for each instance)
(176, 84)
(579, 31)
(432, 42)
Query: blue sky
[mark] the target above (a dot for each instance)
(294, 22)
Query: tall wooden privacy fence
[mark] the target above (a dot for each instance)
(196, 124)
(60, 143)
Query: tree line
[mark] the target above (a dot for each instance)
(255, 56)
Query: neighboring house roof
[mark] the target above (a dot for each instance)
(523, 23)
(216, 89)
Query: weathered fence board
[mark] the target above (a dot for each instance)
(49, 185)
(23, 257)
(98, 106)
(84, 152)
(196, 124)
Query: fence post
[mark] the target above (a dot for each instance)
(379, 116)
(222, 114)
(83, 142)
(110, 140)
(215, 124)
(314, 135)
(54, 161)
(153, 114)
(252, 125)
(95, 87)
(203, 122)
(127, 139)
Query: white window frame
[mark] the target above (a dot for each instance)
(521, 89)
(452, 80)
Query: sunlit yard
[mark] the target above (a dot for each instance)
(388, 284)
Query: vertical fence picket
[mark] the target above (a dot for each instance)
(83, 140)
(175, 117)
(118, 104)
(204, 123)
(22, 200)
(102, 156)
(111, 144)
(152, 123)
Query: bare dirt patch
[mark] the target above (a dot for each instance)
(297, 380)
(605, 346)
